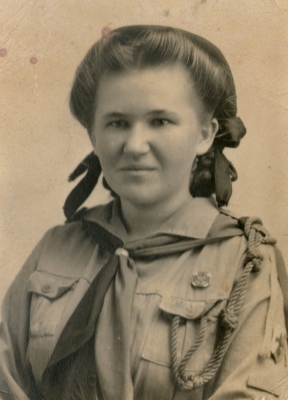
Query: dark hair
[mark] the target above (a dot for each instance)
(141, 46)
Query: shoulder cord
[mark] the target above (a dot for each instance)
(228, 318)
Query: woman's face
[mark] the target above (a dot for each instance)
(147, 132)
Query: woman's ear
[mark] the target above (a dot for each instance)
(208, 133)
(92, 138)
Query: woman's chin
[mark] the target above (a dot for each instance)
(141, 198)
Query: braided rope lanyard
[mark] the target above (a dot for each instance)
(228, 317)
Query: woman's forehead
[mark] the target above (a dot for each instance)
(159, 86)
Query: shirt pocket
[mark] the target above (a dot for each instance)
(157, 347)
(50, 296)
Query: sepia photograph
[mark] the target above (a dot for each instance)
(144, 200)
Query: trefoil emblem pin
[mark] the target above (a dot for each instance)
(201, 279)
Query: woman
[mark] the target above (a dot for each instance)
(157, 295)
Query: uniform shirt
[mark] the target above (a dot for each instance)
(132, 338)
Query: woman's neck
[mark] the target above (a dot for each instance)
(141, 220)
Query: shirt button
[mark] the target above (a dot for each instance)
(91, 379)
(46, 288)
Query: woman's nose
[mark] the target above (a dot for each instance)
(136, 142)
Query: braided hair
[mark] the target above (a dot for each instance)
(142, 46)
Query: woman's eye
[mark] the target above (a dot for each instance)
(160, 122)
(119, 124)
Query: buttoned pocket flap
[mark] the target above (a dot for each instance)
(191, 309)
(184, 308)
(157, 347)
(49, 285)
(51, 295)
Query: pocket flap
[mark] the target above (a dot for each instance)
(184, 308)
(157, 347)
(49, 285)
(191, 309)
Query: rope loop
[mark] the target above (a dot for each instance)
(269, 240)
(251, 221)
(255, 237)
(185, 382)
(255, 258)
(252, 254)
(192, 382)
(256, 265)
(229, 319)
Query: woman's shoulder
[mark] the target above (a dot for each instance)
(247, 234)
(228, 221)
(72, 229)
(68, 246)
(257, 245)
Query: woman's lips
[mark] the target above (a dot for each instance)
(137, 168)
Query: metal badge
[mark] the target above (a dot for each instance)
(201, 279)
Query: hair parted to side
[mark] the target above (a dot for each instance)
(144, 46)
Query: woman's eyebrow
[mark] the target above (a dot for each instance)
(115, 115)
(161, 112)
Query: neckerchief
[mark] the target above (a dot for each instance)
(81, 325)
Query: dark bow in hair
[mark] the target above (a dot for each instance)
(82, 191)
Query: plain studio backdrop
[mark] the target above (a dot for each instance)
(41, 44)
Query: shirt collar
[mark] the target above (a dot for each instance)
(193, 220)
